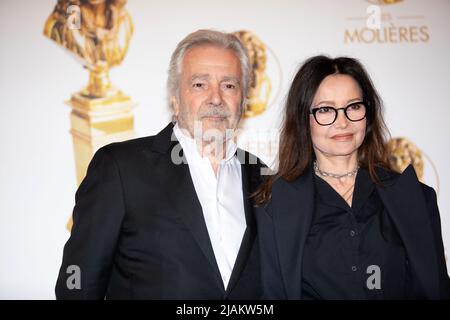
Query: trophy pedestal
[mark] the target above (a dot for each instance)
(96, 122)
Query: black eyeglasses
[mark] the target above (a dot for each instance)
(326, 115)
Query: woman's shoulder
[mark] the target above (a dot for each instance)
(284, 184)
(388, 177)
(429, 192)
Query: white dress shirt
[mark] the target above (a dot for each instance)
(221, 200)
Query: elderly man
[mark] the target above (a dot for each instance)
(169, 216)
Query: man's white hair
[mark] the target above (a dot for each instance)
(203, 38)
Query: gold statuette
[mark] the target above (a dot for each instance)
(381, 2)
(97, 33)
(402, 153)
(260, 85)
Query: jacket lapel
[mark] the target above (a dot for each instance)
(292, 220)
(183, 196)
(190, 211)
(250, 231)
(406, 205)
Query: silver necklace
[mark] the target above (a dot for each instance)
(333, 175)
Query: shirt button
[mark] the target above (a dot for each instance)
(352, 233)
(354, 268)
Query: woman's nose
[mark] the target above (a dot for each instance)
(341, 121)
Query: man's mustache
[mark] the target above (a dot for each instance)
(219, 111)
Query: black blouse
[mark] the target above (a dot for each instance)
(349, 247)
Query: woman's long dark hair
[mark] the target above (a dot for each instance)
(296, 150)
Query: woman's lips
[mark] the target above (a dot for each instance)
(343, 137)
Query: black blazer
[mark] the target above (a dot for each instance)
(139, 231)
(284, 223)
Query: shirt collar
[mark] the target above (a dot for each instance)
(189, 145)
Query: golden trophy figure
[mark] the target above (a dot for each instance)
(385, 1)
(97, 33)
(260, 85)
(402, 153)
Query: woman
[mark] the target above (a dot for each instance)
(335, 222)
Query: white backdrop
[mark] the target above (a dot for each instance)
(37, 165)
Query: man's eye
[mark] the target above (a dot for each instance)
(230, 86)
(198, 85)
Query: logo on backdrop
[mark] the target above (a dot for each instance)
(263, 62)
(403, 152)
(387, 21)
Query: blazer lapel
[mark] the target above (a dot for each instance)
(184, 197)
(250, 231)
(292, 214)
(187, 204)
(405, 203)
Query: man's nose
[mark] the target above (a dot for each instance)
(215, 95)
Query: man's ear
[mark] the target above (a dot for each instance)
(175, 105)
(244, 105)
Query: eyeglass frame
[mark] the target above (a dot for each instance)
(314, 110)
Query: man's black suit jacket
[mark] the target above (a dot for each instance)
(139, 231)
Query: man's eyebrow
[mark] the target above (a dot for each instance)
(230, 78)
(199, 76)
